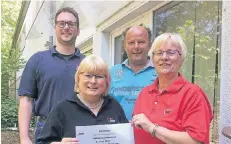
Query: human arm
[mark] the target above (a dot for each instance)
(165, 135)
(27, 92)
(195, 119)
(55, 130)
(24, 117)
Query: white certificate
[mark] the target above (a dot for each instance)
(105, 134)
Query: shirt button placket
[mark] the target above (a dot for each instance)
(155, 103)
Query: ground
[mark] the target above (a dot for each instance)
(12, 137)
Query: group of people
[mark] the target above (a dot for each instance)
(64, 89)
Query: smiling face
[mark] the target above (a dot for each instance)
(137, 45)
(92, 85)
(168, 63)
(92, 79)
(66, 35)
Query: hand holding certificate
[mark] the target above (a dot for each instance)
(105, 134)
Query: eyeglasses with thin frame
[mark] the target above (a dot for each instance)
(62, 24)
(88, 76)
(160, 53)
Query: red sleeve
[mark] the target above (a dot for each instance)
(197, 117)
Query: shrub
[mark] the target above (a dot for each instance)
(9, 112)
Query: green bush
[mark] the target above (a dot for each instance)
(9, 112)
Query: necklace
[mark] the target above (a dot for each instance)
(89, 105)
(95, 107)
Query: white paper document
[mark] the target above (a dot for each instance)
(105, 134)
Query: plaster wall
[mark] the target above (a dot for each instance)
(225, 91)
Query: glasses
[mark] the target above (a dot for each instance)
(62, 24)
(160, 53)
(88, 76)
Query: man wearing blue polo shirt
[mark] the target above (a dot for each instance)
(48, 76)
(136, 72)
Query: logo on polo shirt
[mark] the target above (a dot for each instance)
(167, 111)
(111, 120)
(119, 73)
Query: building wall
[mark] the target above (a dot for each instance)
(35, 32)
(103, 40)
(135, 13)
(225, 91)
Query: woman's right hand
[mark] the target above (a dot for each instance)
(67, 141)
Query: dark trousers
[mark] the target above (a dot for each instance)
(38, 130)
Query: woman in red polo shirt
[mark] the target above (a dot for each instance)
(171, 110)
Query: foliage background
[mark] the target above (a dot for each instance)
(10, 60)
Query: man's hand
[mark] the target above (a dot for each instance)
(141, 121)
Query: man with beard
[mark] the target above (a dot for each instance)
(48, 76)
(136, 72)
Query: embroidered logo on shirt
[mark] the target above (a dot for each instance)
(111, 120)
(119, 73)
(167, 111)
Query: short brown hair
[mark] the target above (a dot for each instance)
(69, 10)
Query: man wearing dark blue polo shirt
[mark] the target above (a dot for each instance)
(49, 75)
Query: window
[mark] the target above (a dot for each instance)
(198, 24)
(120, 54)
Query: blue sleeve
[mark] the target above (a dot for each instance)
(28, 83)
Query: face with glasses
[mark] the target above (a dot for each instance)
(66, 28)
(92, 84)
(167, 59)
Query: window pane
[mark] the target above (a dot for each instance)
(120, 54)
(178, 18)
(197, 23)
(205, 46)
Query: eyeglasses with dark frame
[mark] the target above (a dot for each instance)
(89, 76)
(160, 53)
(62, 24)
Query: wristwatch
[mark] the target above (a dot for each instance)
(154, 130)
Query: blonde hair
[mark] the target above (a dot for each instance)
(163, 38)
(95, 65)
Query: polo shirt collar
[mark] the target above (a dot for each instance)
(173, 88)
(150, 64)
(55, 52)
(75, 99)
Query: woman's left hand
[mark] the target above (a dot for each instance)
(141, 121)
